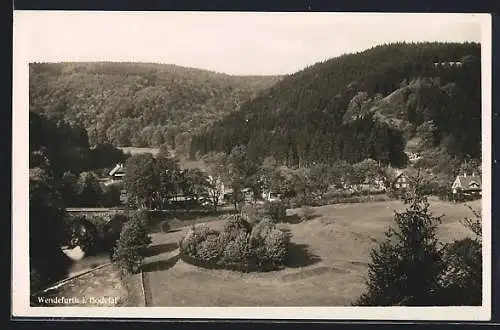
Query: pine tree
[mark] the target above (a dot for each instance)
(406, 266)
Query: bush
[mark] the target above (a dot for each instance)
(134, 238)
(189, 243)
(252, 213)
(269, 243)
(237, 247)
(210, 249)
(262, 228)
(143, 216)
(236, 223)
(276, 210)
(462, 277)
(461, 280)
(276, 248)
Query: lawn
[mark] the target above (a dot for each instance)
(327, 263)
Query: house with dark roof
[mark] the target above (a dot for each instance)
(401, 181)
(467, 184)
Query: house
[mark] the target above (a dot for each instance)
(270, 196)
(118, 172)
(402, 181)
(467, 184)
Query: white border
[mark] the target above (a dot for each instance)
(20, 270)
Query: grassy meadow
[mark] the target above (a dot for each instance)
(327, 263)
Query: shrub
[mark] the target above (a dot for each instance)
(269, 244)
(210, 249)
(253, 213)
(462, 277)
(276, 248)
(236, 223)
(189, 243)
(143, 216)
(262, 228)
(238, 246)
(129, 253)
(461, 280)
(276, 210)
(236, 249)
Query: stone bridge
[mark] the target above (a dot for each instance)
(105, 213)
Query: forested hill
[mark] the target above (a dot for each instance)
(137, 104)
(368, 104)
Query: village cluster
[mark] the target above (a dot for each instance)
(464, 186)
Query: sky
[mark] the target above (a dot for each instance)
(233, 43)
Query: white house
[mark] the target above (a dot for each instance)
(467, 183)
(270, 196)
(118, 172)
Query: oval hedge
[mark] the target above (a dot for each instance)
(238, 247)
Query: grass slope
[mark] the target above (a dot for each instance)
(327, 264)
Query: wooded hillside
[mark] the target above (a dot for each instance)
(363, 105)
(136, 104)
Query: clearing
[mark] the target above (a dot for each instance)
(327, 261)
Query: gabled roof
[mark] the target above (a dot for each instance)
(117, 169)
(400, 174)
(468, 181)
